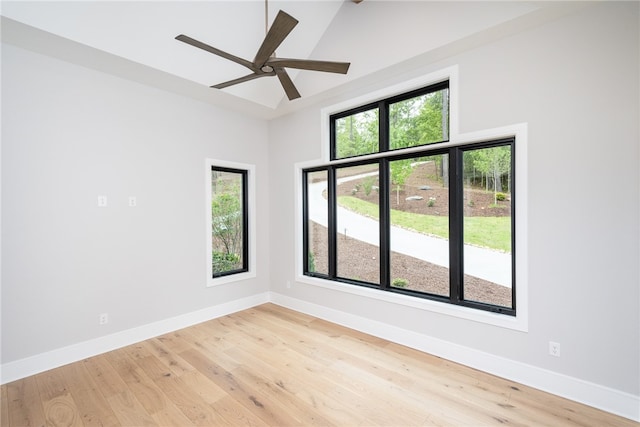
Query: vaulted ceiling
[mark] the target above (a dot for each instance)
(137, 39)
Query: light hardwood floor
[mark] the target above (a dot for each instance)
(273, 366)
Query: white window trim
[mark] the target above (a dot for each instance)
(251, 184)
(520, 321)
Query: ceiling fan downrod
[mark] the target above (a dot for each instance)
(267, 68)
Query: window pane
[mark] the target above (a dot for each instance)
(420, 120)
(227, 221)
(358, 229)
(317, 221)
(487, 225)
(357, 134)
(419, 234)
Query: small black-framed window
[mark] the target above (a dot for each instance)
(229, 221)
(416, 118)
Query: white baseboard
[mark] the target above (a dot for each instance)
(597, 396)
(52, 359)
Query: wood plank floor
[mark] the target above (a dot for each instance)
(270, 366)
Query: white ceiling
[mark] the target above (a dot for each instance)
(372, 35)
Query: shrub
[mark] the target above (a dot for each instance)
(311, 262)
(431, 202)
(501, 197)
(225, 261)
(367, 184)
(399, 283)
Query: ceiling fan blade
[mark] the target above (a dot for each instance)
(280, 29)
(308, 64)
(287, 84)
(211, 49)
(242, 79)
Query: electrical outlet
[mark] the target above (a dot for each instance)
(554, 349)
(133, 201)
(104, 318)
(288, 284)
(102, 201)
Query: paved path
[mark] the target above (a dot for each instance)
(479, 262)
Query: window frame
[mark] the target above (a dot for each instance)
(518, 131)
(456, 219)
(248, 270)
(383, 107)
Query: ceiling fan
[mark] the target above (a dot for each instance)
(265, 62)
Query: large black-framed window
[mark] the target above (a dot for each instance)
(421, 218)
(229, 221)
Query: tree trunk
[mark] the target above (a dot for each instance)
(445, 117)
(351, 128)
(445, 171)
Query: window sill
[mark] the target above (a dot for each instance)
(230, 279)
(517, 323)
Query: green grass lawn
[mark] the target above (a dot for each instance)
(489, 232)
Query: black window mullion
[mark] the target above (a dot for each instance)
(383, 126)
(455, 226)
(245, 221)
(332, 138)
(383, 201)
(513, 224)
(305, 221)
(332, 204)
(385, 224)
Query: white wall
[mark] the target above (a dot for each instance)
(575, 82)
(70, 134)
